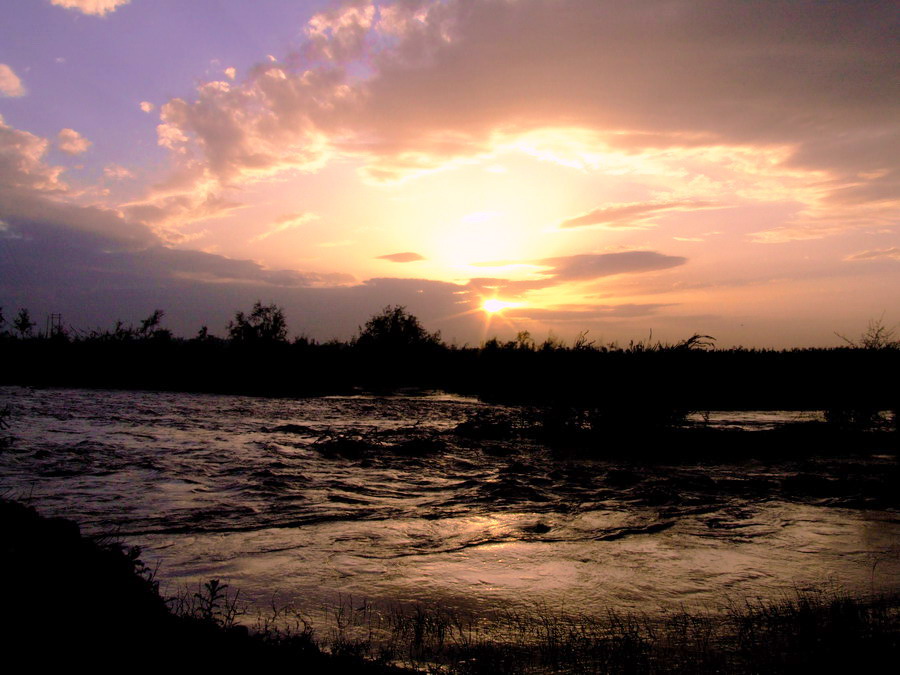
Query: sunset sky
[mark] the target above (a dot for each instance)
(683, 166)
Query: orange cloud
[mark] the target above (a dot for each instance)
(582, 314)
(413, 87)
(892, 253)
(286, 222)
(561, 270)
(22, 164)
(10, 84)
(95, 7)
(629, 215)
(71, 142)
(406, 257)
(116, 172)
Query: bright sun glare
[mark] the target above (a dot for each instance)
(493, 306)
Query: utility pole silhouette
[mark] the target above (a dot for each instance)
(53, 325)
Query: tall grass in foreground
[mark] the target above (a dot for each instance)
(805, 631)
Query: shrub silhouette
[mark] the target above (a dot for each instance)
(264, 324)
(876, 336)
(23, 323)
(395, 329)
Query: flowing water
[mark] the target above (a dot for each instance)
(390, 499)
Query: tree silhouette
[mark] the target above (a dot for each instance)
(394, 328)
(23, 323)
(151, 323)
(876, 336)
(265, 324)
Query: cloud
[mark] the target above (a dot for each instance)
(406, 257)
(186, 196)
(10, 84)
(586, 267)
(64, 254)
(147, 107)
(586, 313)
(892, 253)
(71, 142)
(96, 264)
(36, 214)
(21, 162)
(265, 126)
(417, 86)
(633, 215)
(648, 67)
(509, 289)
(212, 268)
(573, 269)
(230, 73)
(95, 7)
(116, 172)
(34, 199)
(286, 222)
(168, 214)
(93, 280)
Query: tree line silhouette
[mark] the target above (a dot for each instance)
(393, 351)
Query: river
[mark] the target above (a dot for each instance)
(386, 499)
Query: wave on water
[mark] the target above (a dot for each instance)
(439, 497)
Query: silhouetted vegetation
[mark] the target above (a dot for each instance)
(23, 323)
(582, 386)
(265, 325)
(876, 336)
(74, 601)
(395, 330)
(88, 597)
(812, 631)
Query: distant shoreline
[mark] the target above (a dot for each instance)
(670, 379)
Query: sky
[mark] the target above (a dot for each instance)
(664, 167)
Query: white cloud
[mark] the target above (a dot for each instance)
(71, 142)
(10, 84)
(96, 7)
(230, 73)
(147, 107)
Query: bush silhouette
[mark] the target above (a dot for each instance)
(265, 324)
(395, 329)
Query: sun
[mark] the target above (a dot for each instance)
(494, 305)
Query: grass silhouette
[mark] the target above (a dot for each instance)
(73, 600)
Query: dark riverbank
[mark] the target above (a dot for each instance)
(663, 380)
(73, 600)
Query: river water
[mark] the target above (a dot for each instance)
(390, 499)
